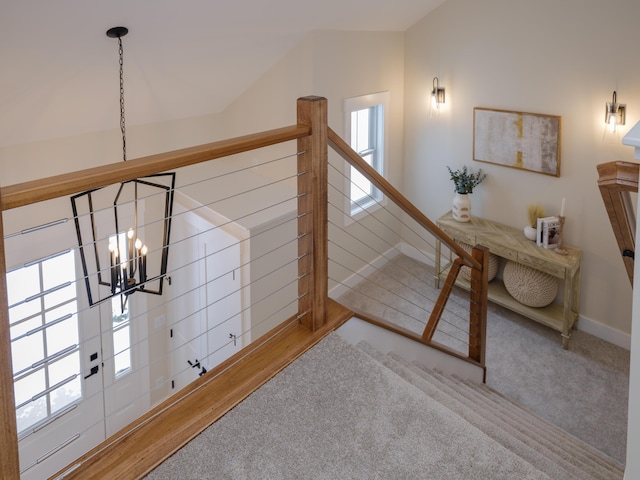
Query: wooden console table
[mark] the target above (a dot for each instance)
(510, 244)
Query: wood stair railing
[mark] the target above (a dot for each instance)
(477, 260)
(154, 436)
(616, 181)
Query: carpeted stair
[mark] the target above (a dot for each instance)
(542, 444)
(351, 412)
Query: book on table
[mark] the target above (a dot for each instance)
(548, 232)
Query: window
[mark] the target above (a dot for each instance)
(121, 322)
(43, 316)
(365, 129)
(121, 337)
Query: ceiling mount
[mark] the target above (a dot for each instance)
(117, 32)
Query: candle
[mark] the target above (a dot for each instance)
(130, 253)
(113, 259)
(143, 264)
(138, 245)
(562, 207)
(123, 287)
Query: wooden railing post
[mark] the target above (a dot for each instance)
(478, 305)
(9, 462)
(616, 180)
(313, 245)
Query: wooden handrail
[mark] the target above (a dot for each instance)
(313, 137)
(34, 191)
(477, 260)
(616, 180)
(346, 152)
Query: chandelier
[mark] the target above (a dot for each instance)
(123, 230)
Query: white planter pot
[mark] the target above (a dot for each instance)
(461, 210)
(530, 232)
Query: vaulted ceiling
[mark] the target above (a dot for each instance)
(59, 73)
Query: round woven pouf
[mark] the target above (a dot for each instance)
(529, 286)
(494, 261)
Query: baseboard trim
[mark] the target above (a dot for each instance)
(604, 332)
(416, 254)
(585, 324)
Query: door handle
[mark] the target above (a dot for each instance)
(94, 370)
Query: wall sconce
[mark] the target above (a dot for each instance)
(437, 97)
(615, 113)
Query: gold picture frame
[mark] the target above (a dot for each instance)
(526, 141)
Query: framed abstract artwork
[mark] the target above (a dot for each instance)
(527, 141)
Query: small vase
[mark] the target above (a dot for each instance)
(461, 210)
(530, 232)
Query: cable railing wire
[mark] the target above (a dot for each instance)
(382, 272)
(375, 216)
(243, 287)
(444, 318)
(105, 270)
(244, 169)
(421, 321)
(381, 254)
(268, 295)
(218, 251)
(135, 318)
(208, 305)
(116, 438)
(397, 310)
(380, 205)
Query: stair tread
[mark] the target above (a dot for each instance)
(542, 444)
(575, 450)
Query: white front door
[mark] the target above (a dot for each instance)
(125, 370)
(59, 402)
(79, 375)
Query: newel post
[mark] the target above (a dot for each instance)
(478, 305)
(313, 244)
(9, 462)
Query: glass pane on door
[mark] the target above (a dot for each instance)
(44, 338)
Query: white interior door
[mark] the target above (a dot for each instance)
(185, 318)
(204, 310)
(223, 296)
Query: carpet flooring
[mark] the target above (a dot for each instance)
(357, 419)
(583, 390)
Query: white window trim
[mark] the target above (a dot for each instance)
(350, 105)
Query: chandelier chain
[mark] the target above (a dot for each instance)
(122, 124)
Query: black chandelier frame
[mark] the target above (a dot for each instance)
(123, 281)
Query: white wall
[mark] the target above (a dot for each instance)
(335, 65)
(560, 58)
(632, 469)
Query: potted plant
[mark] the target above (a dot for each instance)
(465, 180)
